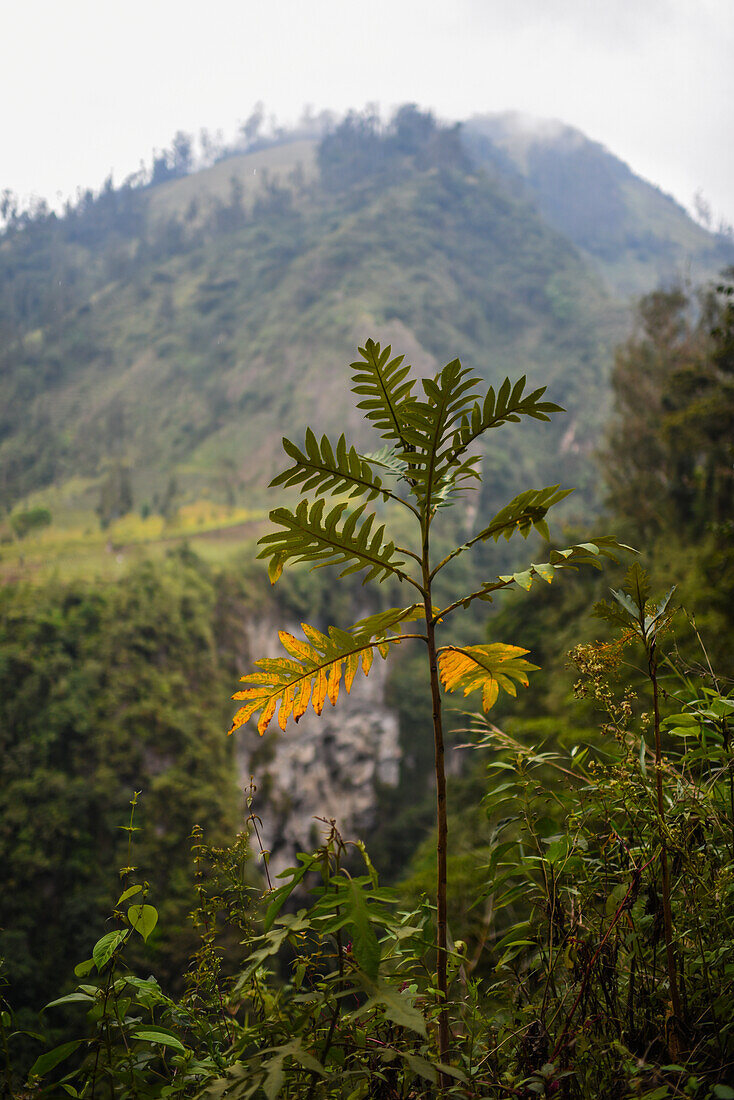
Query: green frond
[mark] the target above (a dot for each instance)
(583, 553)
(429, 429)
(377, 626)
(322, 469)
(310, 535)
(524, 512)
(389, 460)
(506, 406)
(312, 672)
(385, 389)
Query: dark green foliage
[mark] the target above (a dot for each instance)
(33, 519)
(559, 989)
(102, 691)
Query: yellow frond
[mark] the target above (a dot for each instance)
(484, 667)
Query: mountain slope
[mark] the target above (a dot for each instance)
(158, 341)
(227, 328)
(636, 235)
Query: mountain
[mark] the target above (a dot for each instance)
(634, 234)
(158, 340)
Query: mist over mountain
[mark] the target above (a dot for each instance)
(634, 234)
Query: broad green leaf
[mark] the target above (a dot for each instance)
(69, 999)
(365, 947)
(420, 1066)
(275, 1077)
(129, 893)
(105, 947)
(143, 918)
(152, 1034)
(52, 1058)
(83, 968)
(397, 1006)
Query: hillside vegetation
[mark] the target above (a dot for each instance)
(156, 335)
(156, 342)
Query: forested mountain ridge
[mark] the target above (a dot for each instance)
(170, 331)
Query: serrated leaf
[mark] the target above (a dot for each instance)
(485, 667)
(321, 468)
(385, 388)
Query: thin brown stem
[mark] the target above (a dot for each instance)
(441, 822)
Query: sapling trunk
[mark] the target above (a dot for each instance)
(441, 843)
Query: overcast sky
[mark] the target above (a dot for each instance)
(93, 86)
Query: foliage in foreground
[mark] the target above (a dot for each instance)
(428, 459)
(566, 991)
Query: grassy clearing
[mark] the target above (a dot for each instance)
(78, 547)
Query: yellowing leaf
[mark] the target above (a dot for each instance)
(312, 671)
(484, 667)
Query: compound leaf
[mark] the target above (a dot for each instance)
(484, 667)
(313, 671)
(310, 535)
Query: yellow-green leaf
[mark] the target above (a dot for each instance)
(484, 667)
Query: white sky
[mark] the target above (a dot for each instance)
(93, 86)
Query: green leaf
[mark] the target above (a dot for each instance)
(275, 1077)
(52, 1058)
(420, 1066)
(153, 1034)
(69, 999)
(143, 918)
(309, 535)
(365, 947)
(321, 469)
(279, 897)
(723, 1092)
(83, 968)
(397, 1006)
(130, 892)
(558, 850)
(506, 406)
(427, 432)
(385, 388)
(106, 947)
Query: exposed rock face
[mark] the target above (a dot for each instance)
(327, 767)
